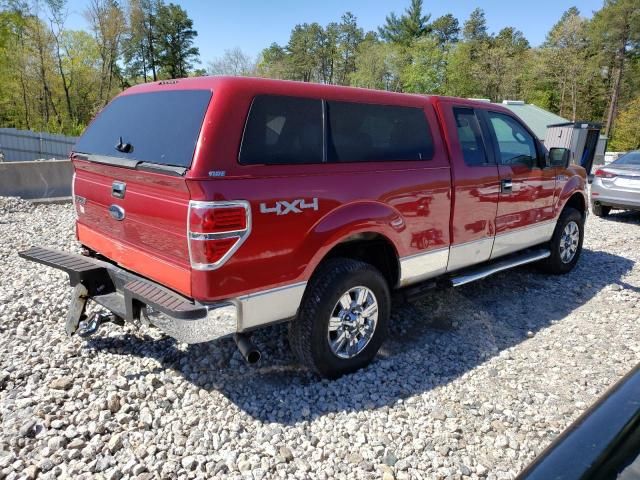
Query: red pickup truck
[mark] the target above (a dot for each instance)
(211, 207)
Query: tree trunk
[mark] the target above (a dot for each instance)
(615, 91)
(562, 90)
(574, 98)
(25, 101)
(65, 85)
(613, 105)
(152, 60)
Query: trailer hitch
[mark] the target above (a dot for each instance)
(92, 324)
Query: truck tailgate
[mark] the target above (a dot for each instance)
(137, 219)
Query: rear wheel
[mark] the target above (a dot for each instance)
(343, 318)
(566, 243)
(600, 210)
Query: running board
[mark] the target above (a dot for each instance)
(490, 269)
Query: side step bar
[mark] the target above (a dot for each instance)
(486, 270)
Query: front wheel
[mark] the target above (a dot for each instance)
(566, 243)
(343, 318)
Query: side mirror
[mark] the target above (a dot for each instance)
(559, 157)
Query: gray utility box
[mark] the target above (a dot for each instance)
(583, 139)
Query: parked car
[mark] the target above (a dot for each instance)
(604, 443)
(617, 185)
(215, 206)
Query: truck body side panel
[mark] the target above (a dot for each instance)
(408, 202)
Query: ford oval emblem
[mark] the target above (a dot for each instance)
(117, 212)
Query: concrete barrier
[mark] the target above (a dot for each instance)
(36, 179)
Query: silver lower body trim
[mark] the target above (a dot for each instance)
(235, 316)
(526, 237)
(423, 266)
(431, 264)
(269, 306)
(470, 253)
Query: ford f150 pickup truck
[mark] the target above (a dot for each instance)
(211, 207)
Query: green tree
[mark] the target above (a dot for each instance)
(475, 28)
(425, 70)
(563, 57)
(106, 19)
(499, 69)
(446, 29)
(328, 54)
(376, 65)
(463, 69)
(615, 33)
(140, 43)
(175, 41)
(459, 73)
(627, 133)
(57, 17)
(407, 27)
(348, 38)
(273, 62)
(14, 106)
(302, 52)
(82, 63)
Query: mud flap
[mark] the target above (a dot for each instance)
(79, 298)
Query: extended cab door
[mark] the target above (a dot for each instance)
(525, 207)
(475, 187)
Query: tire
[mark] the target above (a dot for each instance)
(309, 334)
(600, 210)
(565, 240)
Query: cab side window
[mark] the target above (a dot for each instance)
(470, 137)
(360, 132)
(515, 144)
(283, 130)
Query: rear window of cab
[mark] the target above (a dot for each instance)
(292, 130)
(159, 127)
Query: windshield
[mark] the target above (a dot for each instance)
(631, 158)
(156, 127)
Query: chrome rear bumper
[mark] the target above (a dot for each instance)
(220, 321)
(136, 299)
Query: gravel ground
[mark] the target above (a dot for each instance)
(473, 384)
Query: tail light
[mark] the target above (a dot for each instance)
(215, 230)
(604, 173)
(73, 195)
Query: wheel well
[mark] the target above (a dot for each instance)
(371, 248)
(577, 201)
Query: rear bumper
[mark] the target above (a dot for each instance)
(616, 198)
(137, 299)
(614, 201)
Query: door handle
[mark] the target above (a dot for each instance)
(118, 189)
(506, 185)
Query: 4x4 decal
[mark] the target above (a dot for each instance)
(283, 207)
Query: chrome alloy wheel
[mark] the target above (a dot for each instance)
(353, 322)
(569, 242)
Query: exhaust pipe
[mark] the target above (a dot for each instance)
(248, 350)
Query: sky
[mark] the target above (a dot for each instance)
(254, 24)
